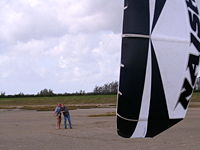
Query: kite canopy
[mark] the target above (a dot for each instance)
(159, 65)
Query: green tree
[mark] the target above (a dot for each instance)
(46, 92)
(2, 94)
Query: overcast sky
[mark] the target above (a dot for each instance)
(63, 45)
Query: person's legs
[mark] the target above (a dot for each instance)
(59, 122)
(65, 122)
(69, 120)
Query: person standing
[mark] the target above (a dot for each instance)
(66, 115)
(57, 112)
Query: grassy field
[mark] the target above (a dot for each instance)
(82, 99)
(74, 102)
(196, 97)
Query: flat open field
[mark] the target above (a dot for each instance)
(76, 101)
(53, 100)
(35, 130)
(23, 128)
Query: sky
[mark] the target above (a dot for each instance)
(63, 45)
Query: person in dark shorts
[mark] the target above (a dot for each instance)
(57, 112)
(66, 116)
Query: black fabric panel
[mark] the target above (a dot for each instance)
(134, 57)
(158, 9)
(125, 128)
(136, 17)
(158, 106)
(155, 127)
(126, 3)
(132, 76)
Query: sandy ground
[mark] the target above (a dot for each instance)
(32, 130)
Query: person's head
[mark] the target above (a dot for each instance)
(62, 105)
(59, 105)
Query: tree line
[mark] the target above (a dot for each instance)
(109, 88)
(197, 86)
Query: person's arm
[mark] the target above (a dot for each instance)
(56, 111)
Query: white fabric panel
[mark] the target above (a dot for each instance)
(171, 40)
(152, 10)
(198, 4)
(173, 22)
(141, 130)
(172, 63)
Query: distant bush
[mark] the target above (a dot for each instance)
(108, 88)
(2, 94)
(197, 85)
(46, 92)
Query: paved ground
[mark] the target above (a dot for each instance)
(32, 130)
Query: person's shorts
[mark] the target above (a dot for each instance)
(58, 116)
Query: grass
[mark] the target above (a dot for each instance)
(84, 99)
(8, 107)
(196, 97)
(73, 102)
(51, 108)
(194, 106)
(104, 115)
(49, 103)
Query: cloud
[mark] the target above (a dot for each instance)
(64, 45)
(26, 20)
(22, 22)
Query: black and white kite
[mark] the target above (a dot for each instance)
(159, 65)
